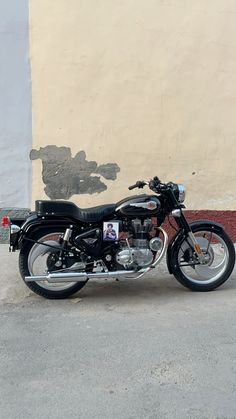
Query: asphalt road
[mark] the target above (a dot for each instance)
(127, 349)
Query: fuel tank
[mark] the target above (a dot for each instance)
(139, 206)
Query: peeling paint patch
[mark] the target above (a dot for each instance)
(65, 175)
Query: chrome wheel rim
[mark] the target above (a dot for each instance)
(216, 259)
(37, 261)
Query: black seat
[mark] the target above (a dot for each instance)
(69, 209)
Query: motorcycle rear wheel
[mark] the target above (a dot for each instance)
(31, 253)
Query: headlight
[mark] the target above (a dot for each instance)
(181, 189)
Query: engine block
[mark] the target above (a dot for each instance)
(139, 253)
(134, 257)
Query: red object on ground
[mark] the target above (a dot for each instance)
(5, 221)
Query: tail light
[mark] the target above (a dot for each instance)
(5, 221)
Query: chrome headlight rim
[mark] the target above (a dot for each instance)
(182, 192)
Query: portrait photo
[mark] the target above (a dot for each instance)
(110, 230)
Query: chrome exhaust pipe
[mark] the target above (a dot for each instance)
(77, 276)
(84, 276)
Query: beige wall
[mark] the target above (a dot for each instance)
(148, 84)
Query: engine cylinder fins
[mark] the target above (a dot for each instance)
(141, 228)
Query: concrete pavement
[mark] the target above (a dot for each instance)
(144, 349)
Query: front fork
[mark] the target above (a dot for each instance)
(183, 223)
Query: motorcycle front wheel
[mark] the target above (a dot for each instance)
(219, 253)
(38, 259)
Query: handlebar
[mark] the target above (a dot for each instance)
(154, 184)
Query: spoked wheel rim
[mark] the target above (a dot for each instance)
(216, 254)
(39, 261)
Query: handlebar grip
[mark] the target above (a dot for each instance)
(132, 187)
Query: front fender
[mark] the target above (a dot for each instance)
(179, 236)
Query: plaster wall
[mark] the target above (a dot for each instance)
(149, 86)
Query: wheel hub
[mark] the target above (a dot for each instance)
(190, 256)
(55, 262)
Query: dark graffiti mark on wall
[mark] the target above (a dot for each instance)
(65, 175)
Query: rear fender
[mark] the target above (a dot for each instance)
(179, 236)
(34, 223)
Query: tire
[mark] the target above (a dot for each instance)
(205, 283)
(44, 290)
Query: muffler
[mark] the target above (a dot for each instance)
(78, 276)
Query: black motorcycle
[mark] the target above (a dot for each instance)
(63, 246)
